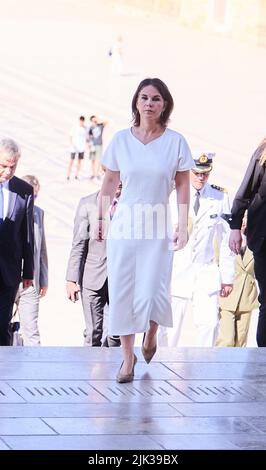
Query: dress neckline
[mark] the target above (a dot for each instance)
(151, 141)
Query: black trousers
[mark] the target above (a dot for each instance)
(93, 302)
(7, 299)
(260, 273)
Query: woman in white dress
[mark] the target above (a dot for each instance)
(149, 159)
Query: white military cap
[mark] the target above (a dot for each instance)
(203, 161)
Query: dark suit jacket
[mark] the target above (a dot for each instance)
(16, 235)
(252, 196)
(87, 261)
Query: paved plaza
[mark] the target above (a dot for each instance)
(67, 398)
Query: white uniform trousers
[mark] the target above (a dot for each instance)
(205, 308)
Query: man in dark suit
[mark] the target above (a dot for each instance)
(87, 272)
(16, 234)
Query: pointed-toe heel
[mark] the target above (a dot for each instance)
(148, 353)
(125, 378)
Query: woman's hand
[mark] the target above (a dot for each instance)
(100, 230)
(235, 241)
(180, 239)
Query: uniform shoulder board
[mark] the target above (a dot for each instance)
(219, 188)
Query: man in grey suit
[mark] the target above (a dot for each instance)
(16, 234)
(28, 300)
(87, 272)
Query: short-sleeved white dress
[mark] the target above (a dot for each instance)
(139, 242)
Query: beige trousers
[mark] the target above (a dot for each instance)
(233, 328)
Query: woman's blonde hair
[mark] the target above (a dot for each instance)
(262, 159)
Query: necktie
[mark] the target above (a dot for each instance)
(1, 204)
(197, 203)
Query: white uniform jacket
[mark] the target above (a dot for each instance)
(196, 264)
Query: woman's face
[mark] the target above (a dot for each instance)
(150, 103)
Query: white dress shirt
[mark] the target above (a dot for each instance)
(5, 190)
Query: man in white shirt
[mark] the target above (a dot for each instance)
(197, 279)
(78, 136)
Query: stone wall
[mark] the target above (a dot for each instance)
(238, 19)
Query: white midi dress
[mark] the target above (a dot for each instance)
(139, 242)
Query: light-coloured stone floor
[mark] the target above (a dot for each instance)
(67, 398)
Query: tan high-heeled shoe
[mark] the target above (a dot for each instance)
(124, 378)
(148, 353)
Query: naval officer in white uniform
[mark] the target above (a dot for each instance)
(198, 277)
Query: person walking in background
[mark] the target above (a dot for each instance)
(197, 279)
(87, 272)
(95, 141)
(28, 300)
(78, 136)
(16, 234)
(236, 309)
(116, 56)
(148, 158)
(251, 197)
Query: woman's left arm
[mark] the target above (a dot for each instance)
(183, 196)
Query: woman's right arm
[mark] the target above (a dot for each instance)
(183, 196)
(106, 196)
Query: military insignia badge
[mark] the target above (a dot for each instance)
(203, 158)
(219, 188)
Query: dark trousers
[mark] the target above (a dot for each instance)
(7, 299)
(93, 302)
(260, 273)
